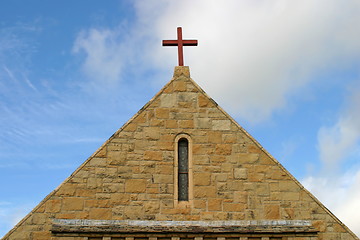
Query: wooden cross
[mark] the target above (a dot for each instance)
(180, 43)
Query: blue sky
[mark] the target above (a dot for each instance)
(73, 72)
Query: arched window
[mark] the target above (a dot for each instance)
(183, 170)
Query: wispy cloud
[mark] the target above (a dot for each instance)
(11, 214)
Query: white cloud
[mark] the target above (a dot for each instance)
(336, 143)
(345, 194)
(339, 146)
(105, 53)
(253, 55)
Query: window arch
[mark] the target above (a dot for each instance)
(183, 169)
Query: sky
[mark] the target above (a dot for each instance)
(73, 72)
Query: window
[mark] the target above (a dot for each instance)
(183, 171)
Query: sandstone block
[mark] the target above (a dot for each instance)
(220, 177)
(221, 124)
(100, 213)
(223, 149)
(153, 155)
(53, 205)
(130, 127)
(101, 152)
(93, 203)
(288, 186)
(163, 178)
(291, 196)
(179, 86)
(97, 162)
(215, 205)
(133, 212)
(205, 192)
(272, 212)
(240, 173)
(203, 123)
(171, 123)
(120, 199)
(141, 118)
(151, 133)
(204, 101)
(151, 207)
(168, 100)
(200, 204)
(41, 235)
(162, 113)
(186, 123)
(202, 179)
(135, 185)
(72, 204)
(38, 219)
(233, 207)
(187, 97)
(240, 197)
(229, 138)
(215, 137)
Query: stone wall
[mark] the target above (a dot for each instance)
(131, 177)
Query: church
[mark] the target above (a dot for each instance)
(180, 169)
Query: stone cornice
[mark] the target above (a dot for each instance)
(137, 226)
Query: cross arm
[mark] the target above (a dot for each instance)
(176, 42)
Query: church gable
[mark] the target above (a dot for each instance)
(132, 184)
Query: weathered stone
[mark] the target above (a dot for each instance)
(223, 149)
(100, 213)
(203, 123)
(186, 124)
(204, 101)
(135, 185)
(221, 124)
(162, 112)
(240, 173)
(215, 205)
(168, 100)
(53, 205)
(72, 204)
(202, 179)
(153, 155)
(272, 212)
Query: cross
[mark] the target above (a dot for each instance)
(180, 43)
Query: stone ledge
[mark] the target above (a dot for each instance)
(138, 226)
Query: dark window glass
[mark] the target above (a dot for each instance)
(183, 169)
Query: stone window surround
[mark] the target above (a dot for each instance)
(189, 203)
